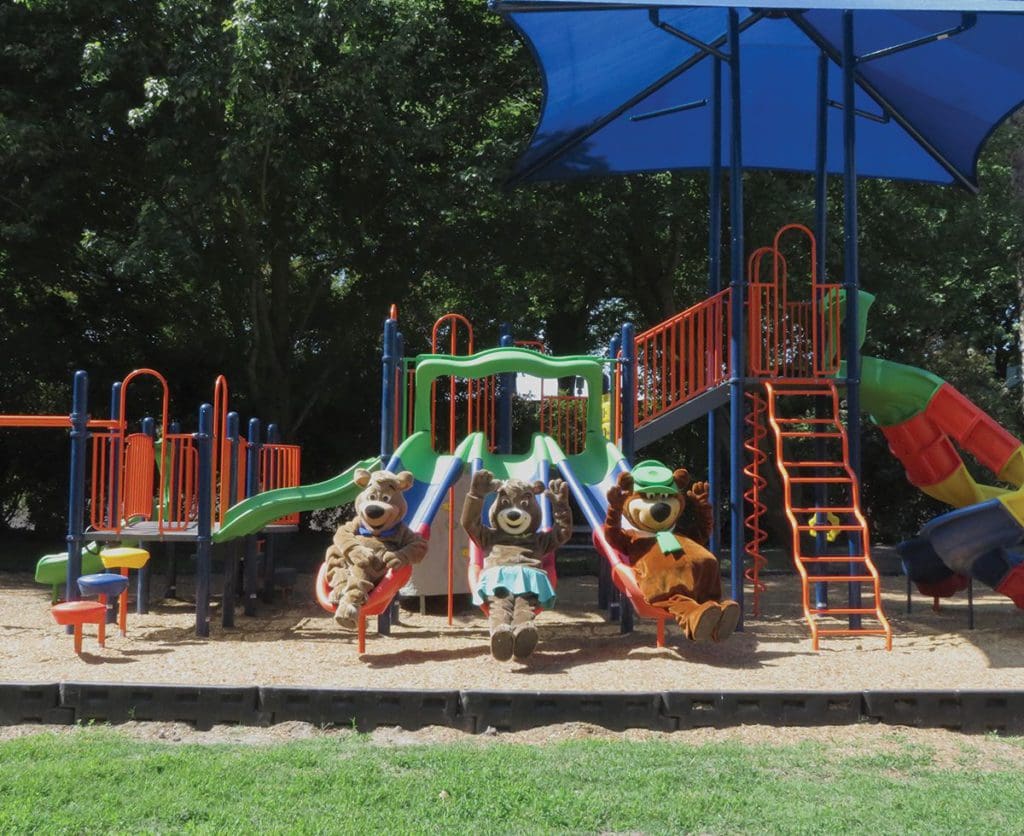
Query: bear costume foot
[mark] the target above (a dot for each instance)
(730, 618)
(524, 641)
(345, 616)
(502, 643)
(701, 624)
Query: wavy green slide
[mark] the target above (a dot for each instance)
(250, 515)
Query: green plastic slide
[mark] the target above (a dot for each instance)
(251, 515)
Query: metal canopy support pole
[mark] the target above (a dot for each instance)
(715, 279)
(850, 284)
(204, 529)
(76, 491)
(820, 228)
(737, 348)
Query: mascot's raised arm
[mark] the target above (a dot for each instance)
(513, 582)
(374, 541)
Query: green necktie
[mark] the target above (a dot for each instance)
(668, 543)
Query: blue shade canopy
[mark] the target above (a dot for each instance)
(623, 94)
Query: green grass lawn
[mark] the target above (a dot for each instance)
(99, 780)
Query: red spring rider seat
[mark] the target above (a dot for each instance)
(378, 602)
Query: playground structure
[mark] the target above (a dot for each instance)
(661, 379)
(162, 484)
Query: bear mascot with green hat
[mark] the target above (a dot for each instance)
(669, 520)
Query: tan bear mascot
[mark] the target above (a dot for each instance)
(513, 582)
(370, 544)
(665, 546)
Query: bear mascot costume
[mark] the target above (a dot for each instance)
(371, 543)
(665, 547)
(513, 582)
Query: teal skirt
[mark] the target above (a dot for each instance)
(515, 580)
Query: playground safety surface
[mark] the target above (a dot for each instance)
(278, 659)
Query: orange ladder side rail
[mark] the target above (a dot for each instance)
(870, 574)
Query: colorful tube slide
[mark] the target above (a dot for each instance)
(924, 419)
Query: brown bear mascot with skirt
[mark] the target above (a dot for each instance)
(371, 543)
(665, 547)
(513, 581)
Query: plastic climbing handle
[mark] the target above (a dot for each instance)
(250, 515)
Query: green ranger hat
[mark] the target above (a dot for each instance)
(652, 476)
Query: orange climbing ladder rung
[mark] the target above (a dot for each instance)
(854, 524)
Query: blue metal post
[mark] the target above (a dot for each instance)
(715, 280)
(114, 505)
(820, 224)
(387, 395)
(506, 392)
(851, 283)
(145, 573)
(401, 408)
(227, 614)
(172, 557)
(252, 487)
(269, 540)
(737, 349)
(627, 396)
(204, 529)
(76, 491)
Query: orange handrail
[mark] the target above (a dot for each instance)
(682, 357)
(122, 417)
(221, 450)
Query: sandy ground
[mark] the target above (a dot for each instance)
(296, 643)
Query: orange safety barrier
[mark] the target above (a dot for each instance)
(682, 357)
(179, 492)
(280, 468)
(221, 447)
(756, 431)
(564, 418)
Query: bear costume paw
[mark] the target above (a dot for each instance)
(345, 616)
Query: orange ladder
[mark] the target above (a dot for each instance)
(802, 472)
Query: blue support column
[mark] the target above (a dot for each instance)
(506, 393)
(76, 490)
(737, 349)
(851, 284)
(269, 540)
(715, 282)
(230, 588)
(252, 487)
(627, 395)
(142, 578)
(114, 465)
(387, 394)
(627, 403)
(204, 529)
(401, 389)
(820, 225)
(172, 557)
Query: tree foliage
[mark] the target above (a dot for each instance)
(203, 187)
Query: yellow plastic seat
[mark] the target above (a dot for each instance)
(124, 557)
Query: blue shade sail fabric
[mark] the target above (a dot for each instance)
(923, 113)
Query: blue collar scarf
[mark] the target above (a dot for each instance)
(363, 531)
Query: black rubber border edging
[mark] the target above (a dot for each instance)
(479, 711)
